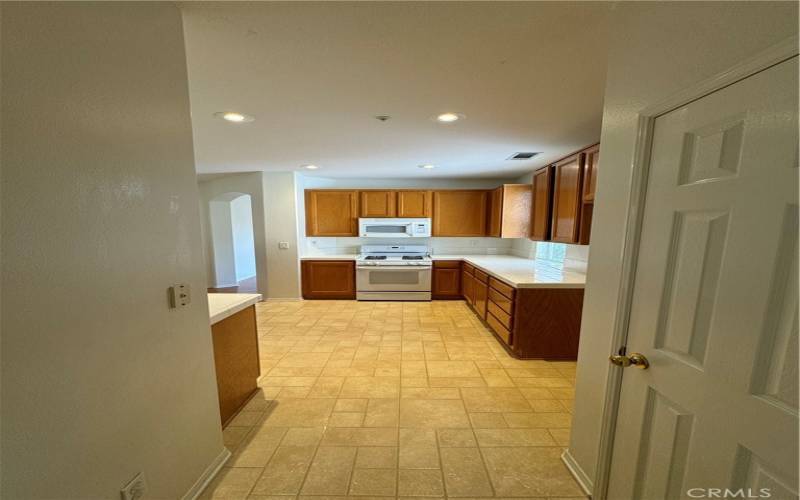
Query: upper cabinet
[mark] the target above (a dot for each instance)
(591, 160)
(510, 211)
(378, 204)
(331, 212)
(460, 212)
(542, 193)
(414, 204)
(567, 195)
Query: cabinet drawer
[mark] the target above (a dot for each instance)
(447, 264)
(499, 314)
(481, 276)
(501, 287)
(501, 301)
(498, 328)
(468, 268)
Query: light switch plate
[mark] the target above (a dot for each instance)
(179, 295)
(283, 245)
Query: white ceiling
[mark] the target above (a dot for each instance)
(529, 76)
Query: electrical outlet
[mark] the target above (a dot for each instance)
(135, 489)
(179, 296)
(283, 245)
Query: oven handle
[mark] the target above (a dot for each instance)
(394, 268)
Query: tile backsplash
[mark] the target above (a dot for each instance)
(438, 245)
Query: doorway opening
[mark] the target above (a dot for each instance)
(233, 245)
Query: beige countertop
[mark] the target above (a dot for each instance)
(223, 305)
(518, 272)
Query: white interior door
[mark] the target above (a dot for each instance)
(715, 301)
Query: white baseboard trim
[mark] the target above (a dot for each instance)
(577, 472)
(208, 475)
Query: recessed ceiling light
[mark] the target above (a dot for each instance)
(233, 116)
(427, 166)
(449, 117)
(310, 167)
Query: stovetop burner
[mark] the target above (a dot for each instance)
(375, 257)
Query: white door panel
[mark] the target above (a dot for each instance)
(715, 299)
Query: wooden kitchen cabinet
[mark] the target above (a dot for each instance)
(328, 279)
(414, 204)
(376, 204)
(567, 197)
(331, 212)
(591, 161)
(468, 283)
(446, 280)
(460, 212)
(510, 211)
(541, 193)
(480, 293)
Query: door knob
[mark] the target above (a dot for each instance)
(636, 359)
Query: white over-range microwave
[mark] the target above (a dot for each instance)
(394, 228)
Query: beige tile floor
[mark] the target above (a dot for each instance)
(388, 399)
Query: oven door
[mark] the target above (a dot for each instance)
(393, 279)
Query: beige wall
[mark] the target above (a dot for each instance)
(656, 49)
(280, 213)
(100, 380)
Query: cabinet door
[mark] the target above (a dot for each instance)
(542, 189)
(414, 204)
(446, 281)
(515, 214)
(496, 212)
(378, 203)
(460, 212)
(480, 293)
(328, 279)
(467, 286)
(567, 184)
(590, 174)
(331, 213)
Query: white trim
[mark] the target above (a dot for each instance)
(636, 201)
(223, 285)
(208, 475)
(578, 473)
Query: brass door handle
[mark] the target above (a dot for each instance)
(636, 359)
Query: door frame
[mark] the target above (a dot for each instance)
(640, 167)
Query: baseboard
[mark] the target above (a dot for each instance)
(577, 472)
(208, 475)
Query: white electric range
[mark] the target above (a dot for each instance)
(393, 272)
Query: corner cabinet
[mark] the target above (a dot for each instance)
(591, 161)
(510, 211)
(328, 279)
(460, 212)
(331, 212)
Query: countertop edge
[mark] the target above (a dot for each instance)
(468, 259)
(252, 299)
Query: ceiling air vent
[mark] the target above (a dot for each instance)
(522, 156)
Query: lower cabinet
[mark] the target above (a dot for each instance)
(446, 280)
(468, 283)
(328, 279)
(533, 323)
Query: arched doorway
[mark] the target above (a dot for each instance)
(234, 258)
